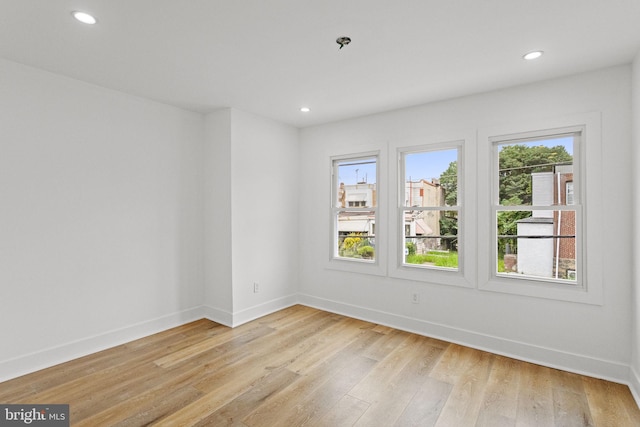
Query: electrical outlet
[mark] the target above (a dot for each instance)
(256, 287)
(415, 298)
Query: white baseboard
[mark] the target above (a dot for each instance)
(218, 315)
(580, 364)
(48, 357)
(238, 318)
(52, 356)
(257, 311)
(634, 385)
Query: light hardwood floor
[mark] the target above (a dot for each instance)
(302, 366)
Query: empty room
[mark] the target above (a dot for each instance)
(329, 213)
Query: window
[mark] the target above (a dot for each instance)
(433, 221)
(354, 208)
(429, 208)
(536, 213)
(534, 236)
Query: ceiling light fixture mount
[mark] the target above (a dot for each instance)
(305, 109)
(532, 55)
(343, 41)
(84, 17)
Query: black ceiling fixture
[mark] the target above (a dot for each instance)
(343, 41)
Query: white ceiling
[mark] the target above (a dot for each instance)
(271, 57)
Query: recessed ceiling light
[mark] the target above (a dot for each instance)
(84, 17)
(533, 55)
(305, 109)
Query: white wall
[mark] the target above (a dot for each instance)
(251, 220)
(122, 217)
(100, 217)
(217, 217)
(635, 195)
(265, 175)
(582, 337)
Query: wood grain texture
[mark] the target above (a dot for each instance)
(302, 366)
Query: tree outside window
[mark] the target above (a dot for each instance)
(536, 227)
(430, 208)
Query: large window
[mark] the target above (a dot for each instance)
(429, 208)
(433, 221)
(354, 208)
(536, 207)
(535, 237)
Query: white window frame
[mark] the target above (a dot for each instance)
(587, 189)
(576, 132)
(377, 266)
(464, 275)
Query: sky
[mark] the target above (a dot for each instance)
(362, 170)
(424, 165)
(428, 164)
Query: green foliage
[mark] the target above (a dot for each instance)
(508, 224)
(449, 227)
(416, 259)
(439, 259)
(449, 224)
(518, 161)
(411, 248)
(449, 182)
(450, 260)
(351, 242)
(356, 245)
(366, 251)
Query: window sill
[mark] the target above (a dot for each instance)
(543, 289)
(357, 266)
(438, 276)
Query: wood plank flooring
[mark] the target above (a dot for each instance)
(302, 366)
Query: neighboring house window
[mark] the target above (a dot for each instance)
(535, 209)
(429, 208)
(569, 192)
(354, 208)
